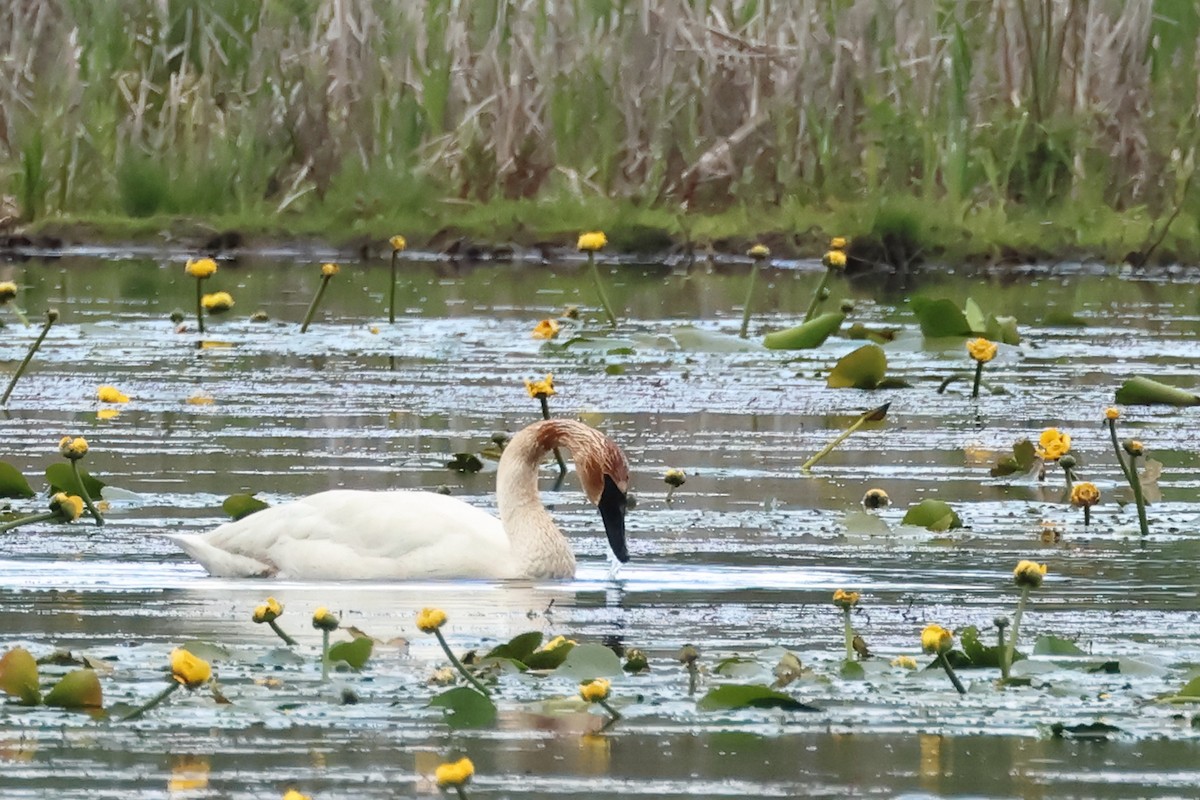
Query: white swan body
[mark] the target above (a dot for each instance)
(349, 534)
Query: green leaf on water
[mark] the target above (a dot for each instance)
(518, 648)
(700, 341)
(354, 652)
(749, 696)
(934, 515)
(1054, 646)
(19, 676)
(207, 650)
(465, 462)
(12, 482)
(61, 478)
(465, 707)
(242, 505)
(79, 688)
(976, 321)
(1024, 456)
(851, 671)
(281, 657)
(551, 657)
(940, 318)
(1139, 391)
(589, 661)
(737, 667)
(1003, 329)
(980, 654)
(804, 337)
(863, 368)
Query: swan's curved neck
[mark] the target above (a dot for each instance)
(538, 545)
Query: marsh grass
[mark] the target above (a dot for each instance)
(404, 115)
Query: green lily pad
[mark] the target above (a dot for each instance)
(940, 318)
(79, 688)
(851, 671)
(207, 650)
(976, 320)
(738, 667)
(1022, 460)
(465, 462)
(749, 696)
(19, 676)
(61, 478)
(863, 368)
(518, 648)
(807, 336)
(12, 482)
(354, 652)
(1002, 329)
(934, 515)
(242, 505)
(700, 341)
(551, 658)
(589, 661)
(465, 707)
(1141, 391)
(978, 653)
(1054, 646)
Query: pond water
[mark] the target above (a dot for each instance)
(742, 561)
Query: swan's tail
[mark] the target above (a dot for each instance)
(220, 563)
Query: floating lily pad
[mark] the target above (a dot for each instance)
(589, 661)
(979, 654)
(465, 707)
(934, 515)
(863, 368)
(940, 318)
(19, 676)
(804, 337)
(61, 478)
(737, 667)
(518, 648)
(1022, 460)
(1054, 646)
(749, 696)
(12, 482)
(851, 671)
(242, 505)
(1141, 391)
(700, 341)
(551, 658)
(354, 652)
(465, 462)
(77, 689)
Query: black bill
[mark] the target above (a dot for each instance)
(612, 511)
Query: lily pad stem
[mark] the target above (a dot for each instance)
(83, 493)
(200, 304)
(950, 673)
(137, 713)
(693, 673)
(1002, 648)
(458, 665)
(613, 714)
(849, 634)
(312, 307)
(612, 318)
(1006, 663)
(288, 640)
(978, 375)
(822, 288)
(324, 655)
(874, 415)
(51, 316)
(562, 465)
(16, 523)
(749, 297)
(20, 314)
(392, 290)
(1129, 470)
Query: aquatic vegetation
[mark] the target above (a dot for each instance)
(268, 613)
(1127, 456)
(546, 329)
(673, 478)
(187, 670)
(74, 450)
(1027, 575)
(111, 394)
(541, 390)
(431, 620)
(847, 601)
(327, 273)
(806, 336)
(758, 254)
(592, 243)
(873, 415)
(932, 515)
(399, 244)
(598, 691)
(77, 689)
(864, 368)
(326, 622)
(937, 641)
(8, 294)
(834, 260)
(455, 775)
(51, 318)
(201, 269)
(1140, 391)
(1085, 495)
(982, 351)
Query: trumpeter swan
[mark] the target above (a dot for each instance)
(351, 534)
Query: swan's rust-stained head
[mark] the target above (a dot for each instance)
(603, 473)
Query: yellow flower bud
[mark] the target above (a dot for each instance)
(845, 600)
(201, 267)
(217, 302)
(876, 498)
(838, 243)
(329, 270)
(546, 329)
(981, 350)
(1029, 574)
(324, 620)
(398, 243)
(1134, 447)
(1112, 412)
(111, 394)
(835, 259)
(904, 662)
(74, 449)
(759, 252)
(268, 611)
(542, 388)
(595, 690)
(68, 507)
(936, 639)
(675, 478)
(292, 794)
(592, 241)
(8, 290)
(188, 669)
(430, 619)
(453, 774)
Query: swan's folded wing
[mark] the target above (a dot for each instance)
(346, 534)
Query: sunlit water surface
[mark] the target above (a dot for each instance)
(743, 561)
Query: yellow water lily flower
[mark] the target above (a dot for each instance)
(759, 252)
(8, 290)
(268, 611)
(329, 270)
(324, 620)
(838, 243)
(190, 670)
(201, 399)
(546, 329)
(592, 241)
(201, 267)
(542, 388)
(936, 639)
(69, 507)
(111, 394)
(1084, 494)
(595, 690)
(835, 259)
(74, 449)
(981, 350)
(845, 600)
(1112, 412)
(292, 794)
(430, 619)
(453, 774)
(876, 498)
(904, 662)
(217, 302)
(398, 242)
(1029, 573)
(675, 477)
(557, 642)
(1133, 447)
(1054, 444)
